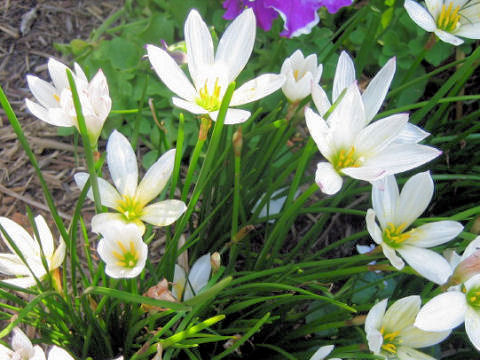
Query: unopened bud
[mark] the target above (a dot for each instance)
(215, 261)
(204, 127)
(242, 233)
(466, 269)
(237, 140)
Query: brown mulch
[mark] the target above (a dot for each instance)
(25, 50)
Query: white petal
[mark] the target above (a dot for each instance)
(100, 97)
(43, 91)
(198, 276)
(373, 323)
(392, 256)
(37, 110)
(384, 199)
(401, 313)
(416, 338)
(472, 326)
(470, 31)
(319, 131)
(57, 353)
(344, 75)
(257, 88)
(471, 248)
(420, 15)
(59, 255)
(444, 312)
(236, 44)
(11, 264)
(397, 158)
(199, 45)
(407, 353)
(411, 134)
(170, 73)
(163, 213)
(414, 198)
(156, 178)
(372, 227)
(233, 116)
(23, 282)
(109, 196)
(46, 238)
(59, 117)
(436, 233)
(189, 106)
(322, 352)
(320, 99)
(79, 74)
(448, 38)
(365, 173)
(22, 239)
(376, 136)
(122, 164)
(179, 282)
(21, 343)
(58, 73)
(103, 223)
(434, 7)
(377, 89)
(427, 263)
(327, 178)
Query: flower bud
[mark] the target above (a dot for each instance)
(215, 261)
(237, 140)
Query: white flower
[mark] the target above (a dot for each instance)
(57, 353)
(121, 248)
(323, 352)
(197, 278)
(131, 200)
(12, 264)
(361, 150)
(391, 333)
(211, 74)
(447, 19)
(56, 103)
(300, 74)
(22, 348)
(460, 304)
(396, 212)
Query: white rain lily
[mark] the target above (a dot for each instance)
(391, 333)
(323, 352)
(55, 102)
(22, 348)
(197, 278)
(31, 250)
(130, 199)
(300, 73)
(361, 150)
(121, 248)
(460, 304)
(447, 19)
(396, 212)
(211, 74)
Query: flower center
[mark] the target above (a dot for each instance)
(393, 236)
(473, 297)
(390, 341)
(56, 97)
(130, 208)
(344, 159)
(128, 257)
(210, 102)
(449, 17)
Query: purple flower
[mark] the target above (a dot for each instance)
(299, 16)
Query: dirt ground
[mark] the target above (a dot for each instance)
(28, 30)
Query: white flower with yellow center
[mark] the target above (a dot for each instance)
(396, 212)
(197, 278)
(56, 103)
(131, 199)
(354, 147)
(460, 304)
(22, 348)
(391, 333)
(121, 248)
(448, 19)
(211, 74)
(32, 250)
(300, 73)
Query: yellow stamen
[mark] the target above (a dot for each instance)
(127, 258)
(207, 101)
(449, 17)
(295, 74)
(394, 236)
(130, 208)
(391, 348)
(345, 159)
(56, 97)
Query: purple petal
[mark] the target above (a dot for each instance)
(334, 5)
(299, 16)
(233, 8)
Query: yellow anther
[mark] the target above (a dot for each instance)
(207, 101)
(131, 208)
(449, 17)
(391, 348)
(345, 159)
(56, 97)
(128, 258)
(295, 74)
(394, 236)
(391, 336)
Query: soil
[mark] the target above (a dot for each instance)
(25, 49)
